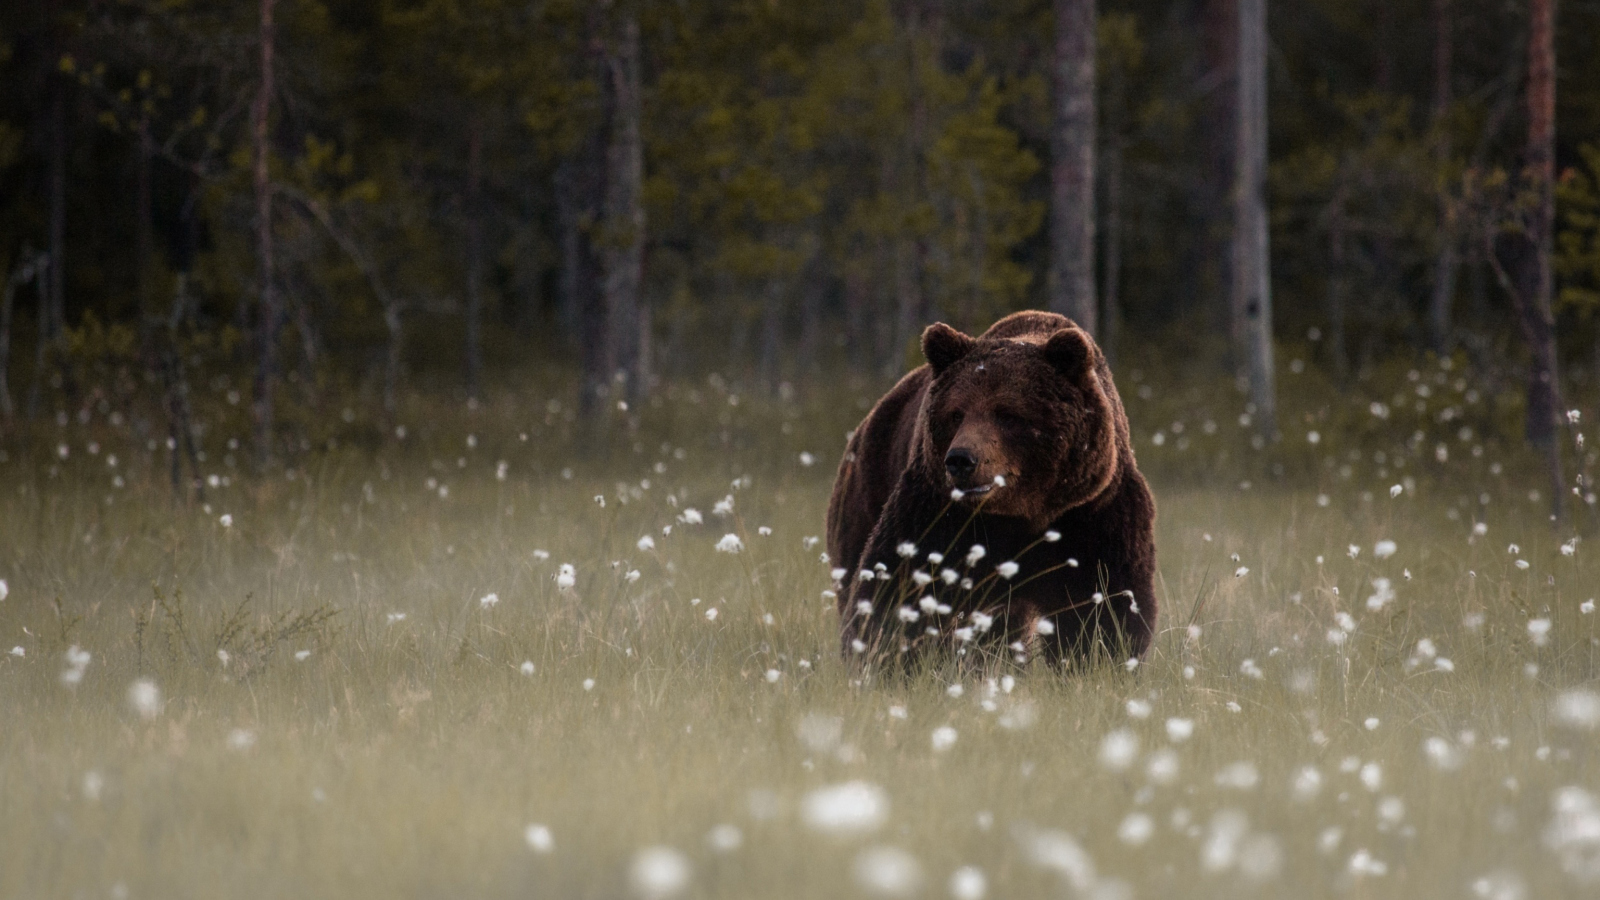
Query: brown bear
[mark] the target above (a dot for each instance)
(991, 500)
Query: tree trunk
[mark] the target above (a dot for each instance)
(770, 367)
(1072, 139)
(1220, 25)
(1338, 287)
(622, 250)
(1111, 300)
(144, 243)
(1446, 258)
(474, 217)
(1252, 288)
(52, 279)
(1537, 281)
(268, 314)
(16, 278)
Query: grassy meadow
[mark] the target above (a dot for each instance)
(362, 675)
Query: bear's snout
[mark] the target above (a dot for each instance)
(960, 463)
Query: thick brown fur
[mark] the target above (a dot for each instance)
(1032, 406)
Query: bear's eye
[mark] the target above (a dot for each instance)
(956, 417)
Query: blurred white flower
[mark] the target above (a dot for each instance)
(1059, 853)
(1395, 490)
(1119, 750)
(691, 516)
(906, 549)
(711, 614)
(1363, 863)
(1163, 766)
(976, 553)
(1372, 776)
(527, 667)
(1239, 776)
(723, 507)
(566, 577)
(968, 883)
(1442, 754)
(487, 601)
(226, 520)
(725, 838)
(539, 838)
(632, 576)
(77, 660)
(888, 871)
(1384, 549)
(1051, 536)
(1019, 715)
(1136, 828)
(1539, 631)
(730, 543)
(1354, 551)
(1586, 607)
(806, 459)
(241, 739)
(19, 651)
(145, 698)
(773, 675)
(847, 808)
(944, 737)
(646, 543)
(1220, 851)
(1502, 884)
(1179, 730)
(5, 589)
(1382, 594)
(588, 684)
(1574, 833)
(821, 733)
(1307, 784)
(659, 872)
(1241, 572)
(1007, 569)
(1137, 709)
(1578, 709)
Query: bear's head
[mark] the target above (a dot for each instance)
(1021, 426)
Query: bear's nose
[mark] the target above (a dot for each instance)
(960, 462)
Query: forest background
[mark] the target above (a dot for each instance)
(383, 195)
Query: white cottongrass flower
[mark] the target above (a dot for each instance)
(1539, 631)
(1586, 607)
(1051, 536)
(226, 520)
(1395, 490)
(1371, 723)
(773, 675)
(1163, 766)
(1574, 833)
(1136, 828)
(1220, 850)
(632, 576)
(691, 516)
(723, 507)
(852, 807)
(1570, 547)
(1501, 884)
(1249, 669)
(1307, 784)
(1179, 729)
(487, 601)
(1384, 549)
(1119, 750)
(975, 553)
(730, 543)
(806, 459)
(1007, 569)
(1363, 863)
(1058, 852)
(1019, 716)
(906, 549)
(1353, 550)
(1442, 754)
(1137, 709)
(725, 838)
(711, 614)
(1241, 572)
(1522, 564)
(646, 543)
(1372, 776)
(888, 872)
(145, 698)
(588, 684)
(19, 651)
(659, 872)
(241, 739)
(944, 737)
(541, 555)
(527, 668)
(968, 883)
(566, 577)
(5, 589)
(539, 838)
(77, 660)
(1382, 594)
(1578, 709)
(395, 617)
(982, 622)
(1239, 776)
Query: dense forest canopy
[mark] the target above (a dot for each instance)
(387, 188)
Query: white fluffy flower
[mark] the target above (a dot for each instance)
(659, 872)
(730, 543)
(850, 807)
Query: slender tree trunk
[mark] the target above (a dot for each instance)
(622, 252)
(770, 365)
(1220, 25)
(1111, 300)
(1537, 280)
(1446, 258)
(19, 275)
(268, 313)
(474, 211)
(1072, 148)
(52, 293)
(1252, 287)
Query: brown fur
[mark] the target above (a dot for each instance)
(1032, 401)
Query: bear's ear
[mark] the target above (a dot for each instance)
(944, 346)
(1072, 352)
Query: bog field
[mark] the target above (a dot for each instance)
(481, 652)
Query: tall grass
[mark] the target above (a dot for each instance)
(372, 727)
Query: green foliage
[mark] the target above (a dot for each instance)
(1577, 258)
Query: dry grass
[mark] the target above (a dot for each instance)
(405, 757)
